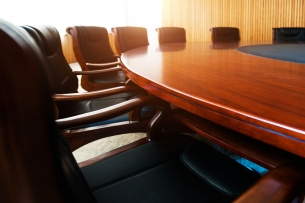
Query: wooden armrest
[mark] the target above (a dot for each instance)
(78, 137)
(105, 113)
(104, 64)
(95, 72)
(97, 94)
(281, 184)
(117, 56)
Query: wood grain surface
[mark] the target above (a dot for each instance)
(259, 97)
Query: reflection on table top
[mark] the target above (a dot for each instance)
(259, 97)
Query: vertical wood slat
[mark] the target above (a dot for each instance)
(254, 18)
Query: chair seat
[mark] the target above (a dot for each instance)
(113, 77)
(73, 108)
(176, 168)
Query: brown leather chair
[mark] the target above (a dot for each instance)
(288, 35)
(93, 52)
(225, 34)
(37, 165)
(171, 34)
(64, 83)
(129, 37)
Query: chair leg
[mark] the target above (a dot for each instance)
(155, 126)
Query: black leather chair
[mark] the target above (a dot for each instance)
(129, 37)
(288, 35)
(225, 34)
(93, 52)
(37, 164)
(64, 85)
(171, 34)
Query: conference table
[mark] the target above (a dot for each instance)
(258, 95)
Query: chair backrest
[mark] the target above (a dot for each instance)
(171, 34)
(61, 77)
(225, 34)
(288, 34)
(127, 38)
(36, 163)
(91, 45)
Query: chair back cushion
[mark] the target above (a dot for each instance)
(36, 163)
(127, 38)
(171, 34)
(61, 77)
(288, 34)
(225, 34)
(93, 43)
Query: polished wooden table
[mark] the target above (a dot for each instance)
(258, 97)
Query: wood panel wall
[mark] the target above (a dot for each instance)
(254, 18)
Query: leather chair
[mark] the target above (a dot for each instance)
(72, 105)
(37, 164)
(225, 34)
(93, 52)
(129, 37)
(288, 35)
(171, 34)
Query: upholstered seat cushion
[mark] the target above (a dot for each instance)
(116, 76)
(172, 169)
(72, 108)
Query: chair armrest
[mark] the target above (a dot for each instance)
(104, 64)
(281, 184)
(105, 113)
(97, 94)
(95, 72)
(117, 56)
